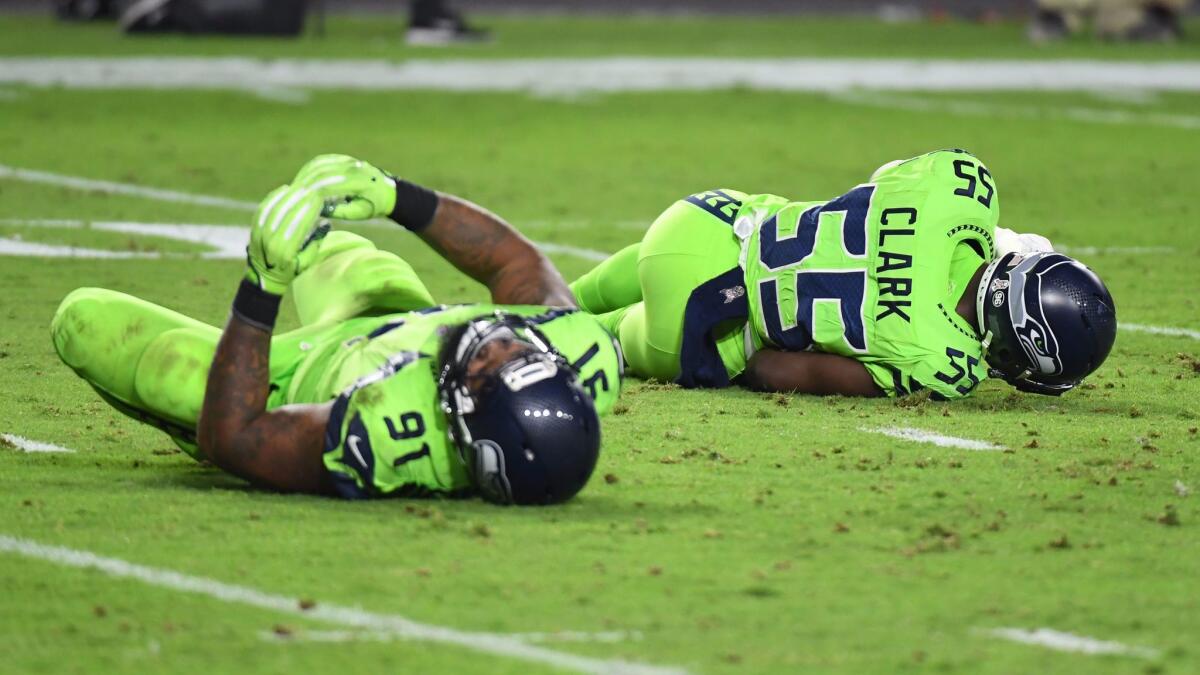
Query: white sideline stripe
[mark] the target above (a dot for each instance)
(28, 445)
(1160, 330)
(76, 182)
(1069, 642)
(381, 636)
(922, 436)
(350, 617)
(616, 74)
(1072, 113)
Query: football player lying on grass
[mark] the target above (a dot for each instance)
(380, 391)
(901, 284)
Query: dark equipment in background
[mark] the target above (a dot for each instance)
(85, 10)
(230, 17)
(433, 23)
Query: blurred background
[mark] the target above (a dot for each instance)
(441, 22)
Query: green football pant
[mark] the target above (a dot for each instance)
(152, 363)
(640, 294)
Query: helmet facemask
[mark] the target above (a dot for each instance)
(490, 440)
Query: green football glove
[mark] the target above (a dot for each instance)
(285, 237)
(351, 188)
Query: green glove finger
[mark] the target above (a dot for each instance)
(357, 180)
(283, 226)
(322, 163)
(266, 205)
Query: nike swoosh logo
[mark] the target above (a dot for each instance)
(352, 442)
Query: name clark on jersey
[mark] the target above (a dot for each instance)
(893, 287)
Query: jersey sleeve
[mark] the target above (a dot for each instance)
(955, 374)
(893, 381)
(386, 436)
(349, 454)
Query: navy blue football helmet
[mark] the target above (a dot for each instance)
(529, 434)
(1047, 321)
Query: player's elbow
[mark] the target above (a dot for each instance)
(215, 438)
(763, 373)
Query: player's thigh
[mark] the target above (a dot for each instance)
(685, 247)
(352, 277)
(642, 356)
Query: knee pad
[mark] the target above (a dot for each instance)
(101, 335)
(90, 337)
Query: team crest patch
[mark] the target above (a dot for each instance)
(732, 294)
(999, 284)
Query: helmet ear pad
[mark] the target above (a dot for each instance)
(532, 442)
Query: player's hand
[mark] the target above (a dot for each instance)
(351, 188)
(284, 237)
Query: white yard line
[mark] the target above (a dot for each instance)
(347, 617)
(226, 242)
(1069, 642)
(567, 75)
(110, 187)
(1160, 330)
(578, 252)
(381, 636)
(32, 249)
(978, 109)
(27, 445)
(220, 240)
(922, 436)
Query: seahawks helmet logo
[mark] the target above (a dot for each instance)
(1034, 341)
(1029, 319)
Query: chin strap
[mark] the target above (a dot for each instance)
(1022, 383)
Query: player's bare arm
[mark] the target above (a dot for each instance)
(489, 250)
(808, 373)
(476, 241)
(280, 449)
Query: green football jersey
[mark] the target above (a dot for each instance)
(876, 274)
(387, 432)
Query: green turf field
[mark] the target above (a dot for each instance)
(724, 531)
